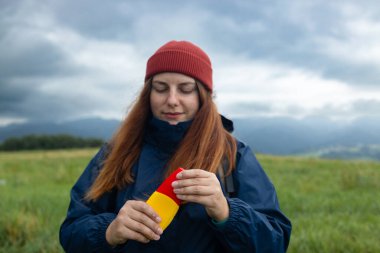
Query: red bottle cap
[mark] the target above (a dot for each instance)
(167, 188)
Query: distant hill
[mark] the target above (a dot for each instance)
(368, 152)
(321, 137)
(277, 136)
(92, 127)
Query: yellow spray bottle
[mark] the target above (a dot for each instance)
(164, 201)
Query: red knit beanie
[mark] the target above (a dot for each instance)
(181, 57)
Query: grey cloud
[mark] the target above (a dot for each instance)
(113, 20)
(11, 96)
(54, 107)
(109, 20)
(367, 106)
(355, 74)
(34, 57)
(290, 33)
(280, 32)
(286, 32)
(28, 61)
(34, 104)
(261, 108)
(357, 108)
(246, 109)
(251, 107)
(24, 51)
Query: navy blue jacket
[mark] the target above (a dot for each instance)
(255, 222)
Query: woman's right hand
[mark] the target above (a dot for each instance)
(137, 221)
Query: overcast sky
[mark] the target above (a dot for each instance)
(62, 60)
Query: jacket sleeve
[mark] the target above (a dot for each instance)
(255, 223)
(84, 227)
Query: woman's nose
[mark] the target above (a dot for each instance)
(173, 98)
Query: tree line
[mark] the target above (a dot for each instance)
(45, 142)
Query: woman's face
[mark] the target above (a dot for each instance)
(174, 97)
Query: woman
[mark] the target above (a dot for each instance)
(174, 123)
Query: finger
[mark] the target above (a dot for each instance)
(133, 235)
(193, 173)
(141, 212)
(203, 200)
(191, 182)
(141, 229)
(195, 190)
(118, 232)
(142, 218)
(143, 207)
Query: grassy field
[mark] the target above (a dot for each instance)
(334, 205)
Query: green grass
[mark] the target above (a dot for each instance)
(34, 193)
(334, 205)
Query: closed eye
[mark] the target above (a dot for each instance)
(187, 88)
(160, 87)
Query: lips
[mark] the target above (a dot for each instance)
(172, 114)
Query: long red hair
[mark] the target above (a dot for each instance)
(205, 145)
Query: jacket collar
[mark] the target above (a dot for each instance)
(227, 124)
(167, 137)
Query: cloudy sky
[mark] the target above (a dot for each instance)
(62, 60)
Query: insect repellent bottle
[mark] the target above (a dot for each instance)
(164, 201)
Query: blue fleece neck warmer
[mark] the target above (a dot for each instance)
(164, 136)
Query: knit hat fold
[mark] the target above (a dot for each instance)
(181, 57)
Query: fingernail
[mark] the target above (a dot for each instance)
(179, 175)
(175, 183)
(159, 231)
(158, 219)
(156, 237)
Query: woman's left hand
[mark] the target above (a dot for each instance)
(202, 187)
